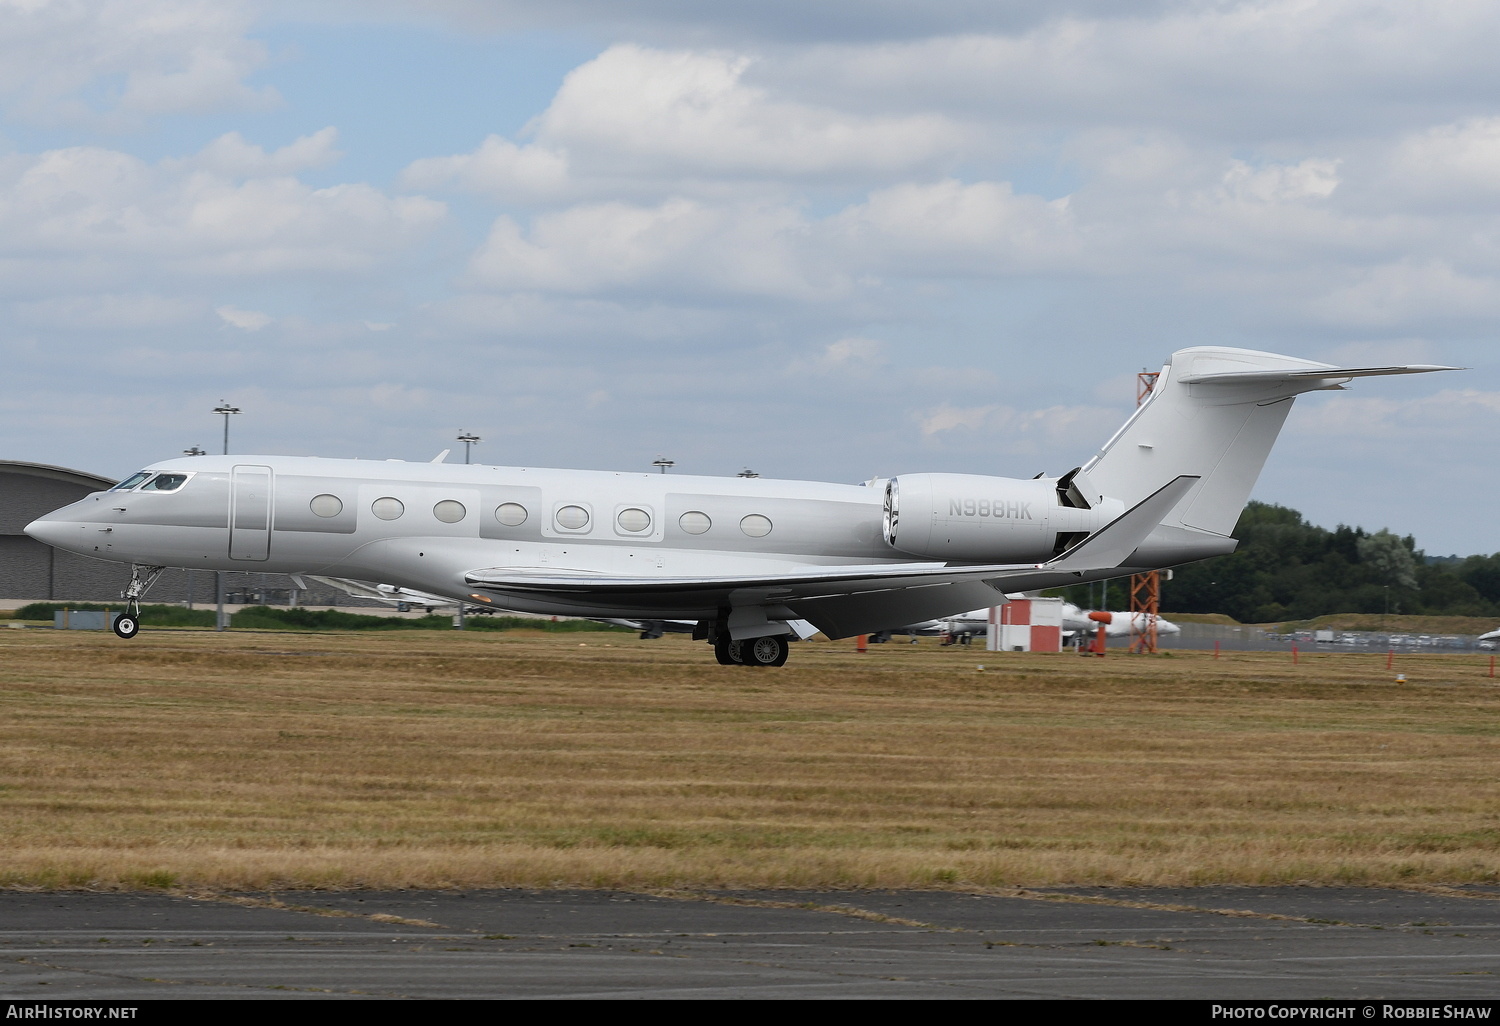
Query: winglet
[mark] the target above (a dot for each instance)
(1112, 545)
(440, 457)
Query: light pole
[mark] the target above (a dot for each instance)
(220, 621)
(194, 451)
(663, 463)
(225, 409)
(747, 472)
(468, 440)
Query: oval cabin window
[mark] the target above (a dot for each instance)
(449, 511)
(511, 514)
(756, 526)
(572, 518)
(327, 505)
(387, 508)
(694, 522)
(634, 520)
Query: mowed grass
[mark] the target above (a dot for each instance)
(245, 760)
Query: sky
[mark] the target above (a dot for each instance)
(829, 242)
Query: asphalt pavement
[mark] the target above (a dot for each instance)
(1202, 943)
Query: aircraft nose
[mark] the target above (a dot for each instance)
(57, 533)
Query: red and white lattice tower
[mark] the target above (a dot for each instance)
(1145, 589)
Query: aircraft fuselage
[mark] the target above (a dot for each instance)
(423, 526)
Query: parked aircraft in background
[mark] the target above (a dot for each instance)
(1074, 620)
(745, 559)
(1490, 640)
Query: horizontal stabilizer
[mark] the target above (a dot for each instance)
(1256, 377)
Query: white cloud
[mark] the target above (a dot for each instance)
(1008, 429)
(1403, 428)
(113, 62)
(230, 156)
(1312, 179)
(499, 168)
(948, 227)
(1453, 164)
(681, 246)
(1396, 294)
(642, 119)
(849, 356)
(117, 215)
(246, 320)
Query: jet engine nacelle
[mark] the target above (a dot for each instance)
(969, 517)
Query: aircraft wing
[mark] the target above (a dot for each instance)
(849, 599)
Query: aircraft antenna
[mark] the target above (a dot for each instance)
(1145, 589)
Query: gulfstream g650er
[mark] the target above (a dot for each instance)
(752, 561)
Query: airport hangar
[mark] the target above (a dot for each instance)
(31, 571)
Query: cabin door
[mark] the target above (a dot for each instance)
(250, 513)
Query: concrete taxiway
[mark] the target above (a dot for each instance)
(1204, 943)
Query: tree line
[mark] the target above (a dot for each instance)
(1288, 569)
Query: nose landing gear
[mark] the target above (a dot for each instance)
(142, 576)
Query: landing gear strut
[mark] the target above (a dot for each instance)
(142, 576)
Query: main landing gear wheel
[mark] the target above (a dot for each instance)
(729, 653)
(126, 625)
(764, 651)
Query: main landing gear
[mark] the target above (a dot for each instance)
(128, 624)
(768, 651)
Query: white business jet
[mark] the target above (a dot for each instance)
(750, 561)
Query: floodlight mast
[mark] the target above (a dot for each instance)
(220, 620)
(663, 463)
(468, 440)
(226, 410)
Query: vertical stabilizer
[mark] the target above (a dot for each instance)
(1213, 413)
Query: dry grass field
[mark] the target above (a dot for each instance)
(256, 760)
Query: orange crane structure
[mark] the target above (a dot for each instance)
(1145, 589)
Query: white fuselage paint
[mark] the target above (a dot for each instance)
(257, 514)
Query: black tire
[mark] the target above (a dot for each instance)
(770, 651)
(729, 653)
(126, 626)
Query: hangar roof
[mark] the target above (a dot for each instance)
(30, 490)
(91, 481)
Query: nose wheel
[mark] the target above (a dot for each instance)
(128, 624)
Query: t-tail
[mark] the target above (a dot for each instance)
(1213, 413)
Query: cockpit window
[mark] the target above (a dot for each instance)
(165, 483)
(131, 481)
